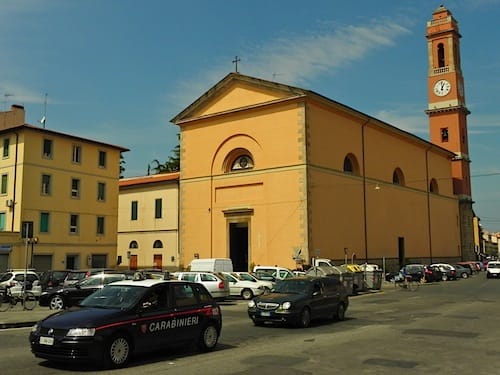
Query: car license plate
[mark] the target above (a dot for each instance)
(265, 313)
(46, 340)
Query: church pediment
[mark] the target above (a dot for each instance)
(237, 91)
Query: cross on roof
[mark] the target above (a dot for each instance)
(235, 62)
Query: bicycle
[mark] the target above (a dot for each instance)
(8, 300)
(406, 283)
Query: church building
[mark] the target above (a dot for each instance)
(273, 174)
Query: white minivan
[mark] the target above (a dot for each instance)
(212, 265)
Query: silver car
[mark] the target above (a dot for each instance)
(215, 283)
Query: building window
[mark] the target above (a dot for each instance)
(398, 177)
(158, 244)
(351, 165)
(433, 186)
(44, 222)
(77, 154)
(3, 186)
(242, 162)
(73, 224)
(133, 245)
(6, 144)
(440, 51)
(100, 225)
(133, 215)
(101, 191)
(158, 204)
(47, 148)
(75, 188)
(45, 184)
(2, 221)
(444, 134)
(102, 159)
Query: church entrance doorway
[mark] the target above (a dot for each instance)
(238, 245)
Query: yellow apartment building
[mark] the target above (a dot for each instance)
(148, 222)
(58, 198)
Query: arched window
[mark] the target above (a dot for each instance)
(351, 165)
(238, 160)
(433, 186)
(440, 51)
(158, 244)
(398, 177)
(133, 245)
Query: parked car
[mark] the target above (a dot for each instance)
(493, 269)
(432, 274)
(76, 275)
(267, 284)
(14, 279)
(242, 288)
(216, 283)
(128, 318)
(265, 276)
(60, 298)
(448, 271)
(416, 271)
(462, 271)
(299, 300)
(470, 265)
(277, 272)
(53, 278)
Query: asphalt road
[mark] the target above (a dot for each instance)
(444, 328)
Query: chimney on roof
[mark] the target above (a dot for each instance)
(14, 117)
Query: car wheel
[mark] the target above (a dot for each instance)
(118, 352)
(304, 318)
(340, 313)
(465, 275)
(56, 303)
(444, 277)
(247, 294)
(208, 338)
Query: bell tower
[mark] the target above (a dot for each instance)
(448, 114)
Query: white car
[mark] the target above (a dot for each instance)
(277, 272)
(215, 283)
(493, 269)
(243, 288)
(14, 279)
(267, 284)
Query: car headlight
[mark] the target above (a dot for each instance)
(286, 305)
(35, 328)
(81, 332)
(251, 304)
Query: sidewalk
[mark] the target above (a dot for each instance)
(17, 317)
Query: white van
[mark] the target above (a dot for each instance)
(212, 265)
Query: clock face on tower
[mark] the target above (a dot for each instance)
(442, 87)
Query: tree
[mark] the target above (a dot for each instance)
(122, 165)
(171, 165)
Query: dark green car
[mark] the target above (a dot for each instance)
(299, 300)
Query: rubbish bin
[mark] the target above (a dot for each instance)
(372, 276)
(344, 276)
(357, 275)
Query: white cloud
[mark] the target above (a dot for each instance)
(297, 59)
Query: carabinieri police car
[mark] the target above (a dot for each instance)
(129, 317)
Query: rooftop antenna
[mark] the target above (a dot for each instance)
(44, 117)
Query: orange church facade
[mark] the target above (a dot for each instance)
(275, 175)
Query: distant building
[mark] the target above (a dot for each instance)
(58, 197)
(148, 222)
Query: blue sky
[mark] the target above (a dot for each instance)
(118, 70)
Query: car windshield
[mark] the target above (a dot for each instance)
(247, 277)
(292, 286)
(5, 277)
(494, 265)
(121, 297)
(76, 275)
